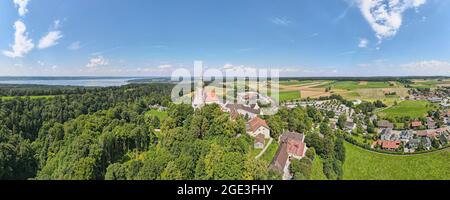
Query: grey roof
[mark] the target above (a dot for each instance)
(280, 159)
(291, 136)
(243, 107)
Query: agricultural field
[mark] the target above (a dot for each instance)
(353, 85)
(294, 90)
(351, 90)
(433, 83)
(289, 95)
(362, 164)
(414, 109)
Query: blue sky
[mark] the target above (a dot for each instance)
(152, 38)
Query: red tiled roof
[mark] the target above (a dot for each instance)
(211, 96)
(257, 122)
(388, 144)
(422, 133)
(416, 123)
(297, 148)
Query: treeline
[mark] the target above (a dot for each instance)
(25, 122)
(40, 90)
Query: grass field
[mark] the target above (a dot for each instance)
(270, 152)
(162, 115)
(414, 109)
(361, 164)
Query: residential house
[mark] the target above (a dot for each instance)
(388, 145)
(350, 125)
(258, 126)
(413, 144)
(406, 136)
(259, 141)
(416, 124)
(385, 124)
(296, 146)
(386, 134)
(427, 133)
(435, 99)
(441, 131)
(431, 125)
(426, 143)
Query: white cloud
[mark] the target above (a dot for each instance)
(22, 44)
(97, 61)
(430, 67)
(40, 63)
(51, 39)
(22, 5)
(363, 42)
(74, 46)
(385, 16)
(281, 21)
(166, 66)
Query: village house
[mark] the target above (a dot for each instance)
(413, 144)
(431, 125)
(427, 133)
(385, 124)
(416, 124)
(387, 145)
(257, 126)
(259, 141)
(441, 131)
(349, 125)
(296, 146)
(386, 134)
(426, 143)
(406, 136)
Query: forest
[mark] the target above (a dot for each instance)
(104, 134)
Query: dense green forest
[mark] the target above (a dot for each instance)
(105, 133)
(31, 130)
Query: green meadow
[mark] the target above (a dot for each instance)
(162, 115)
(414, 109)
(362, 164)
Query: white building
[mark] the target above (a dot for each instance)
(258, 126)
